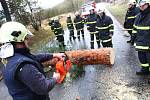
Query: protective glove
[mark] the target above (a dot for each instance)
(60, 56)
(56, 76)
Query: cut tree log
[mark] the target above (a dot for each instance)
(94, 56)
(88, 57)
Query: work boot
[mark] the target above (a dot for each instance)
(82, 36)
(143, 71)
(79, 38)
(132, 43)
(99, 45)
(74, 37)
(92, 46)
(129, 41)
(70, 39)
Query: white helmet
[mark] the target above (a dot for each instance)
(13, 32)
(56, 18)
(91, 8)
(132, 2)
(101, 10)
(68, 15)
(142, 2)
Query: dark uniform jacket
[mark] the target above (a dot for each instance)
(79, 23)
(130, 17)
(58, 31)
(91, 22)
(51, 24)
(70, 23)
(141, 30)
(25, 78)
(104, 26)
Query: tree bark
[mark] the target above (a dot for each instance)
(94, 56)
(104, 56)
(6, 10)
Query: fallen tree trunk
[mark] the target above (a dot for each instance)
(88, 57)
(93, 56)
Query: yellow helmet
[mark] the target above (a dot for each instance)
(13, 32)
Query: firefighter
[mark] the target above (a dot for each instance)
(130, 17)
(23, 73)
(51, 24)
(70, 27)
(59, 33)
(141, 30)
(79, 24)
(91, 27)
(105, 28)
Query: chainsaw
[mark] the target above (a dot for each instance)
(62, 67)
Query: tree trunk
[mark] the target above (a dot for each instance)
(88, 57)
(6, 10)
(94, 56)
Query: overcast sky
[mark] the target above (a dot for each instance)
(49, 3)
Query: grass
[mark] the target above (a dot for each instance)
(41, 38)
(45, 35)
(118, 11)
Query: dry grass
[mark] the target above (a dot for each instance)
(118, 11)
(44, 35)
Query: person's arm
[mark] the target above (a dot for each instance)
(35, 80)
(134, 32)
(47, 56)
(111, 27)
(44, 57)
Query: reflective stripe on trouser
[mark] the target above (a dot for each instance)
(144, 65)
(144, 58)
(71, 33)
(93, 32)
(107, 43)
(107, 40)
(78, 33)
(97, 40)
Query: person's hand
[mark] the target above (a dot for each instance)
(110, 35)
(56, 76)
(59, 55)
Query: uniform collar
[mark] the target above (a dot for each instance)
(23, 51)
(146, 11)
